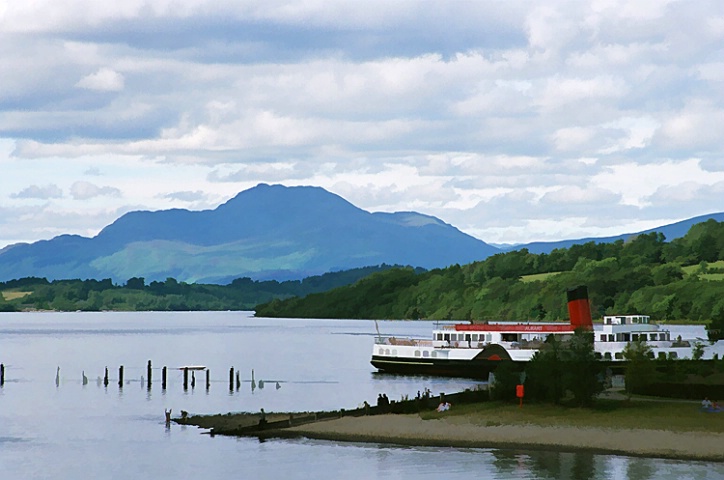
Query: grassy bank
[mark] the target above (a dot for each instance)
(612, 414)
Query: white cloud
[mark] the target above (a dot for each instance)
(42, 192)
(87, 190)
(105, 80)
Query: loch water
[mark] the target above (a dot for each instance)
(66, 429)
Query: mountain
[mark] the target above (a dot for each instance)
(266, 232)
(671, 232)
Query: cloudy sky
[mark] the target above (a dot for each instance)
(514, 121)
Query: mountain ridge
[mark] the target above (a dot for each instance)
(266, 232)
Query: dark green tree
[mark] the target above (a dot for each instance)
(715, 328)
(640, 366)
(583, 375)
(544, 380)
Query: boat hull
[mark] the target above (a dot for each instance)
(475, 368)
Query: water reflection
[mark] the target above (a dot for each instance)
(540, 464)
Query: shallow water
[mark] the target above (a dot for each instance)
(71, 430)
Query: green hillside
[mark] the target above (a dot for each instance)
(671, 281)
(34, 293)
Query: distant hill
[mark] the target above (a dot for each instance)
(266, 232)
(671, 232)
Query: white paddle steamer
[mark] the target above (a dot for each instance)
(475, 350)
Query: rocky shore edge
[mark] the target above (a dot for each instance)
(402, 424)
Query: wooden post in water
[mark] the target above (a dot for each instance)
(208, 379)
(105, 378)
(2, 375)
(238, 381)
(186, 378)
(120, 376)
(231, 379)
(148, 374)
(163, 378)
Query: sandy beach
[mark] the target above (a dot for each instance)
(456, 431)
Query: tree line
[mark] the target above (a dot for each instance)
(679, 280)
(33, 293)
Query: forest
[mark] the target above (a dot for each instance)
(170, 295)
(681, 280)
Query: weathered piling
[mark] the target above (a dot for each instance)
(238, 381)
(2, 374)
(105, 378)
(163, 377)
(186, 378)
(231, 379)
(193, 380)
(120, 376)
(208, 379)
(148, 374)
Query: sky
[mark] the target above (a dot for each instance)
(513, 121)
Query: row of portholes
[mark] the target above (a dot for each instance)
(424, 353)
(619, 355)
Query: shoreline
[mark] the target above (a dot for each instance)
(457, 432)
(488, 429)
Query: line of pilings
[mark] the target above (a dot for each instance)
(234, 377)
(164, 377)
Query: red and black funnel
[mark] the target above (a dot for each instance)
(579, 309)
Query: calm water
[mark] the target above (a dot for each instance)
(71, 430)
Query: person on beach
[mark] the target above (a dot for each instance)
(168, 415)
(706, 403)
(262, 419)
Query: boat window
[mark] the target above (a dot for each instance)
(417, 353)
(672, 355)
(394, 353)
(662, 355)
(652, 337)
(597, 355)
(488, 337)
(439, 337)
(467, 337)
(427, 354)
(619, 356)
(475, 337)
(387, 351)
(662, 336)
(447, 337)
(634, 337)
(626, 337)
(607, 355)
(382, 351)
(433, 354)
(603, 338)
